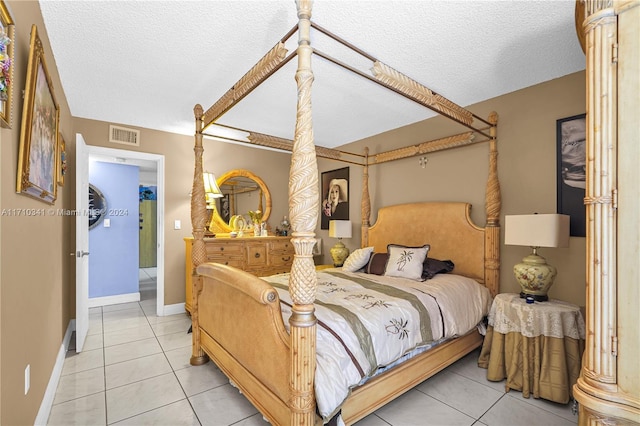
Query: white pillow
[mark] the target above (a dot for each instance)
(357, 260)
(406, 262)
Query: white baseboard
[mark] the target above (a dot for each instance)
(178, 308)
(114, 300)
(52, 386)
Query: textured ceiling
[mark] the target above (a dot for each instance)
(147, 63)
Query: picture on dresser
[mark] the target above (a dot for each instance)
(571, 171)
(334, 193)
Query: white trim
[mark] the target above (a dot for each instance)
(52, 386)
(175, 309)
(114, 300)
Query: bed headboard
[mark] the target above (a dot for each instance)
(446, 227)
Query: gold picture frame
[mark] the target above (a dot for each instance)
(37, 160)
(7, 40)
(61, 159)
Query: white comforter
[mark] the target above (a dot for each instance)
(378, 320)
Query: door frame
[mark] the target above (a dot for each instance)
(123, 156)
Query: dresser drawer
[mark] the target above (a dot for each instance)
(236, 262)
(224, 249)
(284, 246)
(256, 255)
(281, 259)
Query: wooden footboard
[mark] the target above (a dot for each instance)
(381, 389)
(242, 331)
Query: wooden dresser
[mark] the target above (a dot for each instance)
(260, 256)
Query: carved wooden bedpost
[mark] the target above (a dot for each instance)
(198, 251)
(366, 201)
(303, 210)
(493, 203)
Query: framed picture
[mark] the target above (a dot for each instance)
(97, 206)
(224, 207)
(61, 159)
(37, 161)
(334, 196)
(7, 40)
(571, 171)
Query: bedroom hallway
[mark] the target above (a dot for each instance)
(135, 371)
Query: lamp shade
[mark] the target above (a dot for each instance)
(340, 228)
(537, 230)
(211, 188)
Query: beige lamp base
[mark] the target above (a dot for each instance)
(535, 276)
(339, 254)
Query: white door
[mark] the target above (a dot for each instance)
(82, 242)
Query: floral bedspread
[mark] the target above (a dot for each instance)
(366, 322)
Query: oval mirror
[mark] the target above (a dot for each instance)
(242, 191)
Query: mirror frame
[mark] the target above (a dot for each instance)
(218, 225)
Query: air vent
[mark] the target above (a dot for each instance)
(124, 136)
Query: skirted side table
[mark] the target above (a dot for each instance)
(537, 347)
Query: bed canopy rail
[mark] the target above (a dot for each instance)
(382, 75)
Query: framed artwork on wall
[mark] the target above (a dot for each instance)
(571, 171)
(97, 206)
(7, 40)
(37, 161)
(334, 196)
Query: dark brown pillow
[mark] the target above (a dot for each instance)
(377, 263)
(432, 266)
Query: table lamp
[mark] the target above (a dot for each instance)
(534, 274)
(339, 229)
(211, 192)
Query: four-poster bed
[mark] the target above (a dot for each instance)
(273, 365)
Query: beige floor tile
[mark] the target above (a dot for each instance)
(131, 350)
(197, 379)
(86, 360)
(169, 327)
(174, 340)
(179, 358)
(135, 370)
(221, 406)
(79, 385)
(515, 412)
(461, 393)
(177, 413)
(127, 335)
(139, 397)
(87, 411)
(417, 409)
(93, 341)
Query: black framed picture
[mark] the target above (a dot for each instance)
(97, 206)
(571, 171)
(334, 196)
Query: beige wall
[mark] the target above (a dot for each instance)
(526, 168)
(37, 287)
(36, 267)
(219, 157)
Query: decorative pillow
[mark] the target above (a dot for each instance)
(406, 262)
(431, 267)
(357, 260)
(377, 263)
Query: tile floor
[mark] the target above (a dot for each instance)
(135, 371)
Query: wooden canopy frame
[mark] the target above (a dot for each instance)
(304, 202)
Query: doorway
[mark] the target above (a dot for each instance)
(151, 171)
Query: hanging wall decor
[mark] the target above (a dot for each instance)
(7, 40)
(37, 161)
